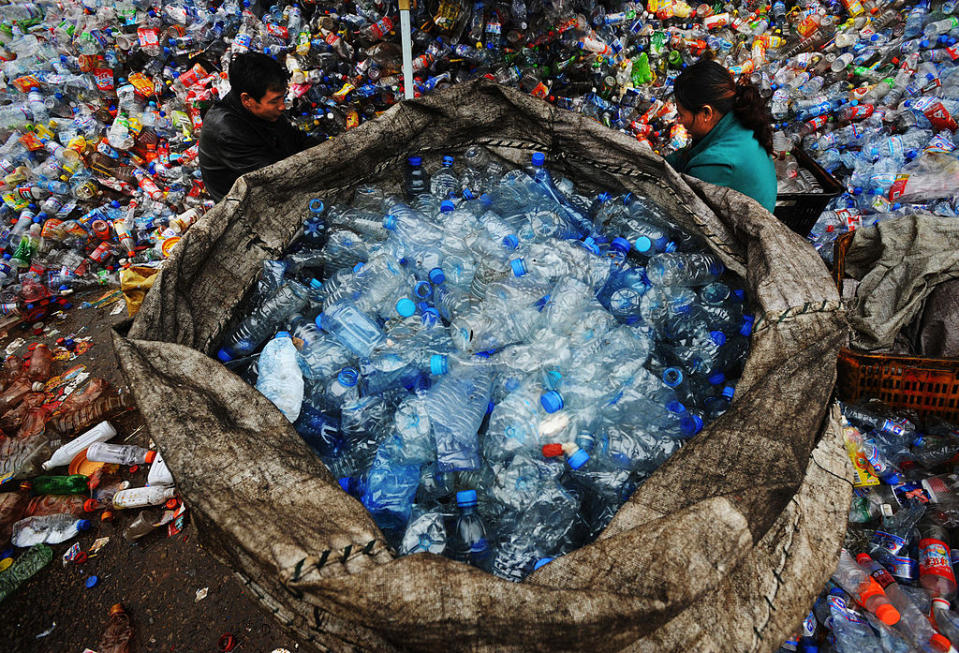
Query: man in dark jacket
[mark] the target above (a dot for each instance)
(247, 130)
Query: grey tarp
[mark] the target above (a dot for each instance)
(899, 264)
(724, 548)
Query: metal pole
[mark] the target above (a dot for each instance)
(407, 39)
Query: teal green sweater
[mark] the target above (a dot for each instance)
(730, 156)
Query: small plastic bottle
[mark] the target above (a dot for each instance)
(120, 454)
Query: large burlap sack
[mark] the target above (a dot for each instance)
(723, 549)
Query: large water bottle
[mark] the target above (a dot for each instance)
(851, 630)
(684, 269)
(444, 181)
(290, 298)
(280, 379)
(541, 183)
(389, 491)
(468, 541)
(320, 356)
(353, 328)
(47, 529)
(457, 405)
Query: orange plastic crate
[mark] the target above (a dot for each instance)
(929, 386)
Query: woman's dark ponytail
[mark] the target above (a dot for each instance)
(750, 108)
(707, 82)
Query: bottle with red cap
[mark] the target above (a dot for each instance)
(864, 588)
(912, 621)
(120, 454)
(936, 575)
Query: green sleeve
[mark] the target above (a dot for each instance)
(677, 160)
(713, 173)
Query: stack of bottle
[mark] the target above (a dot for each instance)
(493, 361)
(102, 103)
(895, 584)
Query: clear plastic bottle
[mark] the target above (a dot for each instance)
(66, 453)
(681, 269)
(141, 497)
(444, 182)
(936, 575)
(49, 529)
(290, 298)
(120, 454)
(864, 589)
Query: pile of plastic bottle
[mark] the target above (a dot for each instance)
(895, 583)
(103, 101)
(489, 343)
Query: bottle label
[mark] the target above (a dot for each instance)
(883, 577)
(903, 568)
(907, 491)
(934, 559)
(898, 188)
(888, 541)
(840, 609)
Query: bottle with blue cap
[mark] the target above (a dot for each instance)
(263, 321)
(389, 493)
(541, 186)
(47, 529)
(416, 179)
(457, 405)
(444, 182)
(319, 355)
(279, 378)
(468, 541)
(314, 227)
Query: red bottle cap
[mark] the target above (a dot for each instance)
(151, 456)
(552, 450)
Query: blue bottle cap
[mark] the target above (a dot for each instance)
(747, 328)
(519, 267)
(538, 159)
(578, 459)
(389, 222)
(590, 244)
(422, 289)
(316, 283)
(316, 205)
(675, 407)
(415, 161)
(468, 194)
(405, 307)
(465, 498)
(224, 356)
(447, 206)
(510, 242)
(690, 425)
(716, 378)
(437, 276)
(717, 268)
(6, 553)
(83, 525)
(620, 245)
(486, 200)
(348, 377)
(439, 364)
(728, 392)
(643, 244)
(447, 161)
(282, 334)
(91, 582)
(542, 562)
(739, 294)
(115, 204)
(551, 401)
(718, 337)
(344, 483)
(672, 376)
(319, 321)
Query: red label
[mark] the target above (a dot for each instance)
(149, 36)
(898, 188)
(934, 559)
(940, 117)
(883, 577)
(104, 78)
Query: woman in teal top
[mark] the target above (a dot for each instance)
(730, 129)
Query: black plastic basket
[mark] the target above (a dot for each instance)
(799, 211)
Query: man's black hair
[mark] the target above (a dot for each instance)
(254, 73)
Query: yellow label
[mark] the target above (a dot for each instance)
(864, 475)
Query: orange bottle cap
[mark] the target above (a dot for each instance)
(888, 614)
(90, 505)
(151, 456)
(940, 643)
(552, 450)
(116, 608)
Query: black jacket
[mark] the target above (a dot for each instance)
(233, 142)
